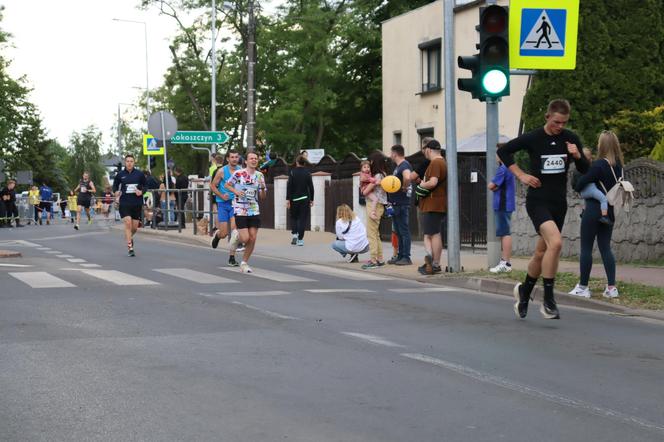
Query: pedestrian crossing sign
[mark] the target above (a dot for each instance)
(543, 34)
(150, 146)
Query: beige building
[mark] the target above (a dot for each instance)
(413, 80)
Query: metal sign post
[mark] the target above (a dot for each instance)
(492, 245)
(166, 177)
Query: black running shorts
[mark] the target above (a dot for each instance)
(543, 211)
(84, 201)
(432, 222)
(247, 222)
(132, 211)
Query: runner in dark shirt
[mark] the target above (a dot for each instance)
(551, 150)
(128, 187)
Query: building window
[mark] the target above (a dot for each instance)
(397, 137)
(431, 65)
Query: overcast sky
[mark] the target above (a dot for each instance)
(80, 63)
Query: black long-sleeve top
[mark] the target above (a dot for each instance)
(599, 172)
(300, 185)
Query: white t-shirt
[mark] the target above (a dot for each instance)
(356, 237)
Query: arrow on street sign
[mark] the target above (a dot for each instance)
(199, 137)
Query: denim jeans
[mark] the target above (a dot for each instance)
(340, 246)
(402, 229)
(171, 210)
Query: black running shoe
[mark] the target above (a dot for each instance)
(293, 241)
(232, 262)
(131, 252)
(521, 304)
(549, 309)
(215, 241)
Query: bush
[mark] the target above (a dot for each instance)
(639, 132)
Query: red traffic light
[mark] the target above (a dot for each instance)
(494, 19)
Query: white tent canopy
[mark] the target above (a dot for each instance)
(477, 143)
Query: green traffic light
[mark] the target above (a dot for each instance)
(494, 81)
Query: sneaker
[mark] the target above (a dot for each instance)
(240, 248)
(580, 291)
(403, 262)
(300, 242)
(48, 222)
(611, 292)
(436, 269)
(605, 220)
(549, 309)
(521, 304)
(422, 270)
(90, 222)
(428, 264)
(393, 259)
(352, 257)
(215, 241)
(370, 265)
(232, 262)
(131, 252)
(293, 240)
(75, 226)
(380, 264)
(502, 267)
(244, 268)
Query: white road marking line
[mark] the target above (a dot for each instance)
(349, 290)
(14, 265)
(254, 294)
(43, 249)
(372, 339)
(265, 312)
(53, 252)
(63, 256)
(195, 276)
(89, 265)
(41, 280)
(534, 392)
(117, 278)
(346, 274)
(18, 243)
(422, 289)
(76, 260)
(76, 235)
(268, 274)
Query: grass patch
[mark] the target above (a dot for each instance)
(632, 294)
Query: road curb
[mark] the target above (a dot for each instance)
(474, 283)
(10, 254)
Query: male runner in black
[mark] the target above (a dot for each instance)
(551, 149)
(128, 186)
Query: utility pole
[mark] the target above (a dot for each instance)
(453, 232)
(251, 87)
(213, 103)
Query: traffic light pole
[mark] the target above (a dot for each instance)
(453, 240)
(492, 134)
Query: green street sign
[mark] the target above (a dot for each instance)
(199, 137)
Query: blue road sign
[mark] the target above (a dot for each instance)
(543, 32)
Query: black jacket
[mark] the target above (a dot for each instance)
(599, 173)
(299, 184)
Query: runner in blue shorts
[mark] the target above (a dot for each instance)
(224, 198)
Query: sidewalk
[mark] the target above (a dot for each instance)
(276, 243)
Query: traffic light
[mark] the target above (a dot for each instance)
(472, 85)
(494, 61)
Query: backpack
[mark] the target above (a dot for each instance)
(621, 194)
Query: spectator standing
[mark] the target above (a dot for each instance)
(45, 203)
(166, 198)
(374, 189)
(351, 234)
(33, 199)
(432, 196)
(503, 186)
(400, 201)
(604, 173)
(181, 184)
(299, 199)
(73, 206)
(8, 201)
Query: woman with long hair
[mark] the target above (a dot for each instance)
(604, 173)
(351, 234)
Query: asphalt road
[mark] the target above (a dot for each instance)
(298, 352)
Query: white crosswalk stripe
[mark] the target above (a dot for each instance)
(338, 291)
(76, 260)
(251, 294)
(195, 276)
(117, 278)
(268, 274)
(423, 289)
(89, 265)
(41, 280)
(346, 274)
(63, 256)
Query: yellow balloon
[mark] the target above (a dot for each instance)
(390, 184)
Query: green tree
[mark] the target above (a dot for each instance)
(620, 67)
(638, 132)
(85, 150)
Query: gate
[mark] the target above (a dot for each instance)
(336, 192)
(267, 208)
(472, 200)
